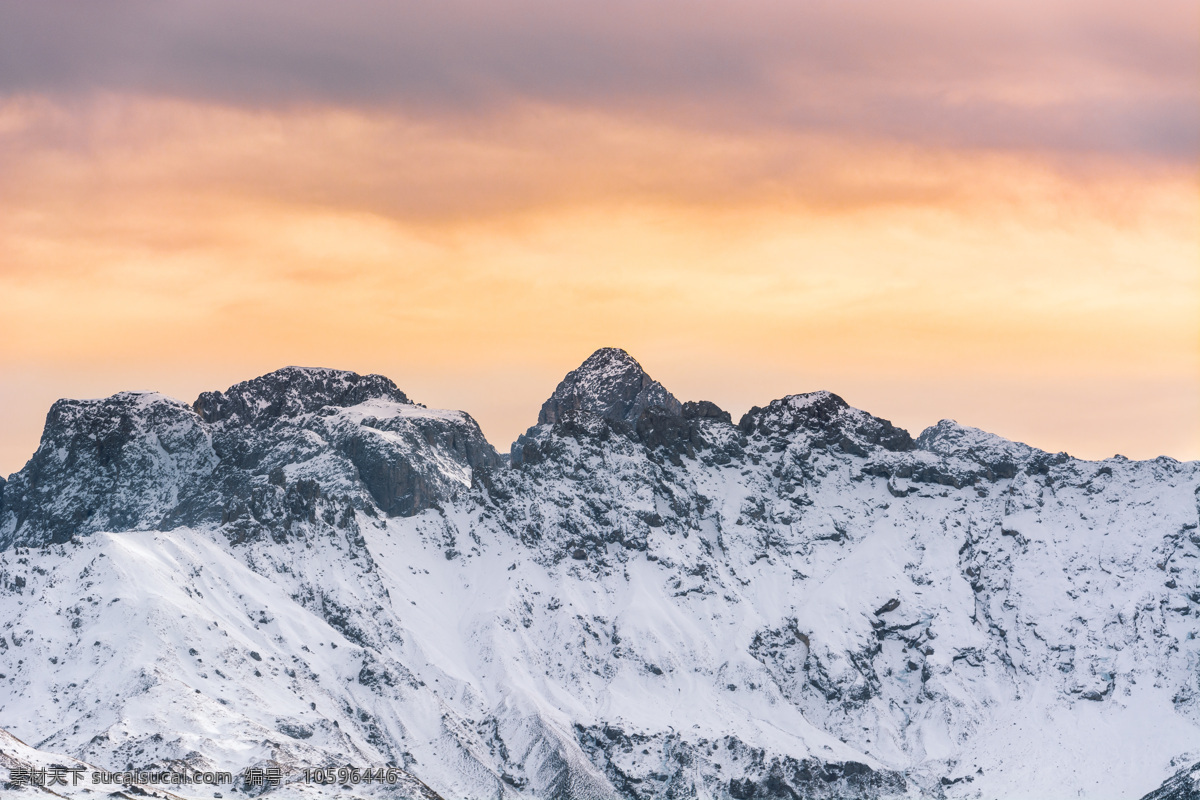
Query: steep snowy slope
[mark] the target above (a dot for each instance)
(644, 600)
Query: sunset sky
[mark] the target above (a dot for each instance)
(988, 211)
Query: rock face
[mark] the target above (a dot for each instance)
(610, 384)
(248, 459)
(828, 422)
(114, 464)
(291, 392)
(645, 601)
(1183, 785)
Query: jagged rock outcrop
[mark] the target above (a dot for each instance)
(611, 392)
(250, 458)
(610, 384)
(647, 601)
(292, 391)
(828, 421)
(999, 457)
(1183, 785)
(121, 463)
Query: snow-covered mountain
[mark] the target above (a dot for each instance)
(642, 600)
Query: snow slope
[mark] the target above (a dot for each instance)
(645, 601)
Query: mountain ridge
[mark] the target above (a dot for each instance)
(663, 604)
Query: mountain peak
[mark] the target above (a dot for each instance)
(611, 384)
(829, 418)
(105, 464)
(291, 391)
(949, 438)
(1002, 457)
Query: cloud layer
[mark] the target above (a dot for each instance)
(1068, 76)
(985, 210)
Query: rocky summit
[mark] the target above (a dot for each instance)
(642, 599)
(610, 384)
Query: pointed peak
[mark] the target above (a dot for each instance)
(607, 365)
(292, 391)
(609, 383)
(607, 357)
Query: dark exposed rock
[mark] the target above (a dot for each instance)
(890, 605)
(687, 770)
(542, 441)
(703, 409)
(998, 457)
(908, 467)
(610, 384)
(1183, 785)
(681, 433)
(949, 454)
(267, 454)
(295, 730)
(678, 435)
(113, 464)
(396, 470)
(291, 391)
(828, 420)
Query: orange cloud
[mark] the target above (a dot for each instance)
(139, 234)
